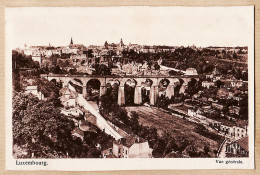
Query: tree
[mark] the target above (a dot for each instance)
(20, 60)
(114, 93)
(39, 127)
(49, 90)
(90, 53)
(105, 103)
(101, 69)
(156, 66)
(172, 72)
(163, 101)
(16, 80)
(219, 83)
(244, 108)
(193, 87)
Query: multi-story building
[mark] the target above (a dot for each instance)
(132, 147)
(238, 148)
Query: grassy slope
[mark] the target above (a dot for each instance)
(177, 127)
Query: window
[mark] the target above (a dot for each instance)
(125, 151)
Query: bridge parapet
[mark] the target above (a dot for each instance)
(118, 76)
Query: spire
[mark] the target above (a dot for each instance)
(106, 44)
(71, 41)
(121, 42)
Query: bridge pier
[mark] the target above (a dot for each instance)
(65, 83)
(183, 88)
(102, 90)
(152, 99)
(84, 91)
(121, 95)
(138, 95)
(156, 92)
(170, 91)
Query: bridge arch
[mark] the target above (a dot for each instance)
(146, 88)
(57, 81)
(75, 86)
(192, 86)
(93, 89)
(129, 91)
(79, 82)
(112, 89)
(163, 87)
(177, 86)
(54, 81)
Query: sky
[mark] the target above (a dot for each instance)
(174, 26)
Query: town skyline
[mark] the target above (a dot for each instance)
(93, 26)
(50, 44)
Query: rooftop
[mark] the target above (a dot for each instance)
(78, 131)
(243, 142)
(130, 140)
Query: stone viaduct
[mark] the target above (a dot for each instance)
(104, 79)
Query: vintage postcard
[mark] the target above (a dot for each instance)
(129, 88)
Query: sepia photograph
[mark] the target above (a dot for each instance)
(166, 84)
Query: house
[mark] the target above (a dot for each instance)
(68, 97)
(91, 119)
(216, 78)
(78, 133)
(37, 57)
(209, 76)
(191, 71)
(191, 112)
(196, 113)
(86, 126)
(196, 95)
(234, 132)
(207, 84)
(237, 98)
(76, 112)
(223, 93)
(28, 51)
(33, 90)
(132, 147)
(236, 83)
(217, 106)
(238, 148)
(230, 95)
(108, 153)
(234, 110)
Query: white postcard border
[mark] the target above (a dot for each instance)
(129, 164)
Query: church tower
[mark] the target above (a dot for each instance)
(121, 43)
(71, 41)
(106, 44)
